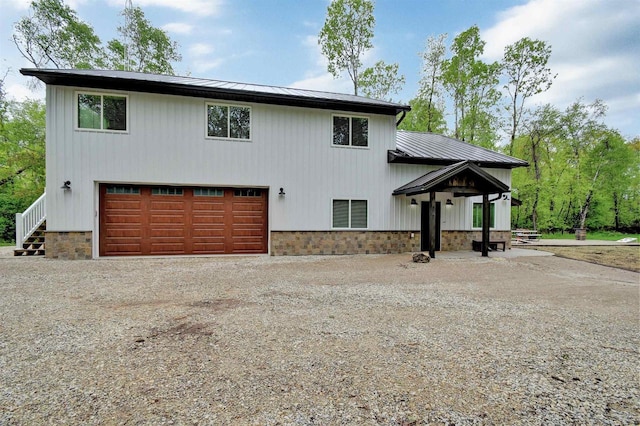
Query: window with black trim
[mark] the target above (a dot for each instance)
(101, 111)
(350, 131)
(477, 215)
(228, 121)
(350, 214)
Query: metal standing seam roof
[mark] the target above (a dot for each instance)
(431, 148)
(213, 89)
(430, 181)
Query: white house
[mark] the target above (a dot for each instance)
(141, 164)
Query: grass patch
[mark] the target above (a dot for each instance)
(7, 243)
(591, 235)
(623, 257)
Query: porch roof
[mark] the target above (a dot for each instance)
(463, 179)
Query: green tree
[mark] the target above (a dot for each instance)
(472, 86)
(345, 37)
(381, 81)
(142, 47)
(424, 117)
(429, 99)
(22, 160)
(53, 36)
(525, 66)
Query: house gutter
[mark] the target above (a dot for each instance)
(404, 114)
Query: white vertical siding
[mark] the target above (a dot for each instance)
(290, 148)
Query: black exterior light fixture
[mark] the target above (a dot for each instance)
(281, 193)
(449, 202)
(413, 202)
(66, 185)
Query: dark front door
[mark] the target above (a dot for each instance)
(424, 226)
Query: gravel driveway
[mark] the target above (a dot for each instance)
(358, 340)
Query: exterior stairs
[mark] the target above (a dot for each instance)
(34, 244)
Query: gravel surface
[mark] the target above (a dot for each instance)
(356, 340)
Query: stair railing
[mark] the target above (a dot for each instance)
(28, 221)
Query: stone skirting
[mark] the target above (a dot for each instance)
(287, 243)
(462, 240)
(291, 243)
(71, 245)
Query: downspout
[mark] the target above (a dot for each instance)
(404, 114)
(497, 198)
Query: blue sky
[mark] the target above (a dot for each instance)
(596, 43)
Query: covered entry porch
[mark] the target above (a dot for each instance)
(462, 179)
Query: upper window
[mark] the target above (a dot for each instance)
(229, 122)
(350, 131)
(350, 214)
(477, 215)
(102, 112)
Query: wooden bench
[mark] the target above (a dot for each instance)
(493, 245)
(525, 235)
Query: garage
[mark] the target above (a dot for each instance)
(168, 220)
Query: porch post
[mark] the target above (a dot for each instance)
(486, 221)
(432, 225)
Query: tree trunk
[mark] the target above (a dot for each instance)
(616, 210)
(537, 175)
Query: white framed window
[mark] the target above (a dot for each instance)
(349, 214)
(477, 215)
(350, 131)
(228, 121)
(102, 112)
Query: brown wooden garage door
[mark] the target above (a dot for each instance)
(137, 220)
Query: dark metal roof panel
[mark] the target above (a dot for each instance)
(441, 149)
(214, 89)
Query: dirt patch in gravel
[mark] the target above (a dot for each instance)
(355, 340)
(616, 256)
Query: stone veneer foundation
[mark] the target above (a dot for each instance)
(462, 240)
(288, 243)
(78, 244)
(72, 245)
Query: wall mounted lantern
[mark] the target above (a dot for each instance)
(66, 185)
(281, 193)
(449, 202)
(413, 202)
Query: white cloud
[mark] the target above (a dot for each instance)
(324, 82)
(15, 4)
(595, 48)
(202, 67)
(178, 28)
(318, 78)
(200, 49)
(198, 7)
